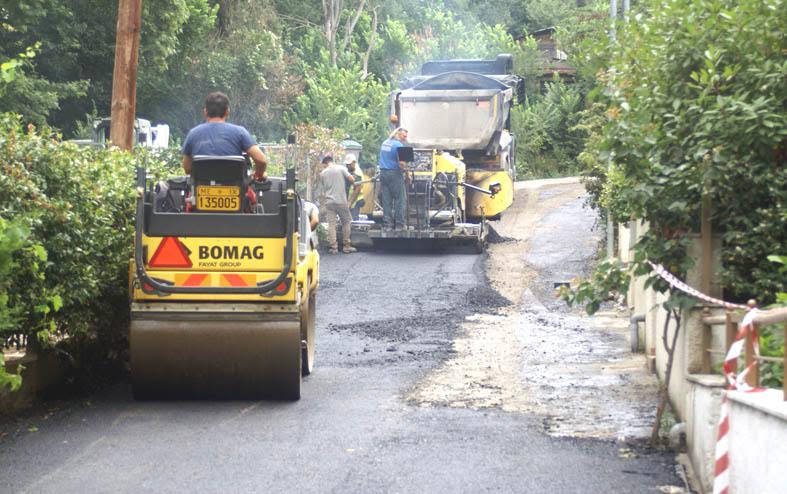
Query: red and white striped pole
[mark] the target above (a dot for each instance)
(721, 481)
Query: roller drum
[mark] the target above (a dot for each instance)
(208, 359)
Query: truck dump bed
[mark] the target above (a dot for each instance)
(455, 110)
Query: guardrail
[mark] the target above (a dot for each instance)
(730, 320)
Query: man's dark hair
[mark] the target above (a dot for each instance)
(216, 104)
(327, 160)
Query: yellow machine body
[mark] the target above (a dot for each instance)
(483, 205)
(223, 262)
(370, 189)
(224, 316)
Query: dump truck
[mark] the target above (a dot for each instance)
(461, 167)
(145, 134)
(223, 285)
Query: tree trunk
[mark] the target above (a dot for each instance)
(664, 389)
(350, 25)
(372, 40)
(332, 10)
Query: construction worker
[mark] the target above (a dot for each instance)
(354, 191)
(217, 137)
(312, 214)
(332, 181)
(392, 179)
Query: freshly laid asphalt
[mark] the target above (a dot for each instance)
(385, 321)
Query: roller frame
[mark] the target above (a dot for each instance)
(215, 350)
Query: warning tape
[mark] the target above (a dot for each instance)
(680, 285)
(736, 382)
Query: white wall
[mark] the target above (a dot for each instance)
(758, 443)
(702, 425)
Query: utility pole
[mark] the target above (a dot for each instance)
(613, 17)
(124, 76)
(613, 14)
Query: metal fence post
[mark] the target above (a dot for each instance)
(730, 330)
(706, 341)
(753, 377)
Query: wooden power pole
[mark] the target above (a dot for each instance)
(124, 76)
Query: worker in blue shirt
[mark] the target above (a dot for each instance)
(392, 180)
(217, 137)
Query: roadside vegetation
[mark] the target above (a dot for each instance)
(689, 103)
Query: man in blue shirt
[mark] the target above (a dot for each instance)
(392, 180)
(216, 137)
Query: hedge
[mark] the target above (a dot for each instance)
(72, 209)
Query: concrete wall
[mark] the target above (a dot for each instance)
(702, 425)
(41, 373)
(758, 421)
(757, 437)
(758, 442)
(678, 386)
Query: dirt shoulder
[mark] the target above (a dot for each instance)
(536, 355)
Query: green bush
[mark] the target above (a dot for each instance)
(696, 105)
(341, 98)
(14, 242)
(77, 203)
(547, 132)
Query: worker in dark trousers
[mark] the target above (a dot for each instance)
(392, 180)
(332, 180)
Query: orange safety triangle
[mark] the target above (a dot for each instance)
(170, 254)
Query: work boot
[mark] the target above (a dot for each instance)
(349, 249)
(333, 250)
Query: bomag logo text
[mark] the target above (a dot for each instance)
(230, 252)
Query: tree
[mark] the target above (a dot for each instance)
(697, 106)
(71, 73)
(24, 87)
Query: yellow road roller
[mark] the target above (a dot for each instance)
(223, 285)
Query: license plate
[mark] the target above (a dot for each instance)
(218, 198)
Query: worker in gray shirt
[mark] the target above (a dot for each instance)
(333, 180)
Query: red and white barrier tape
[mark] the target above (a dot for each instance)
(737, 382)
(676, 283)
